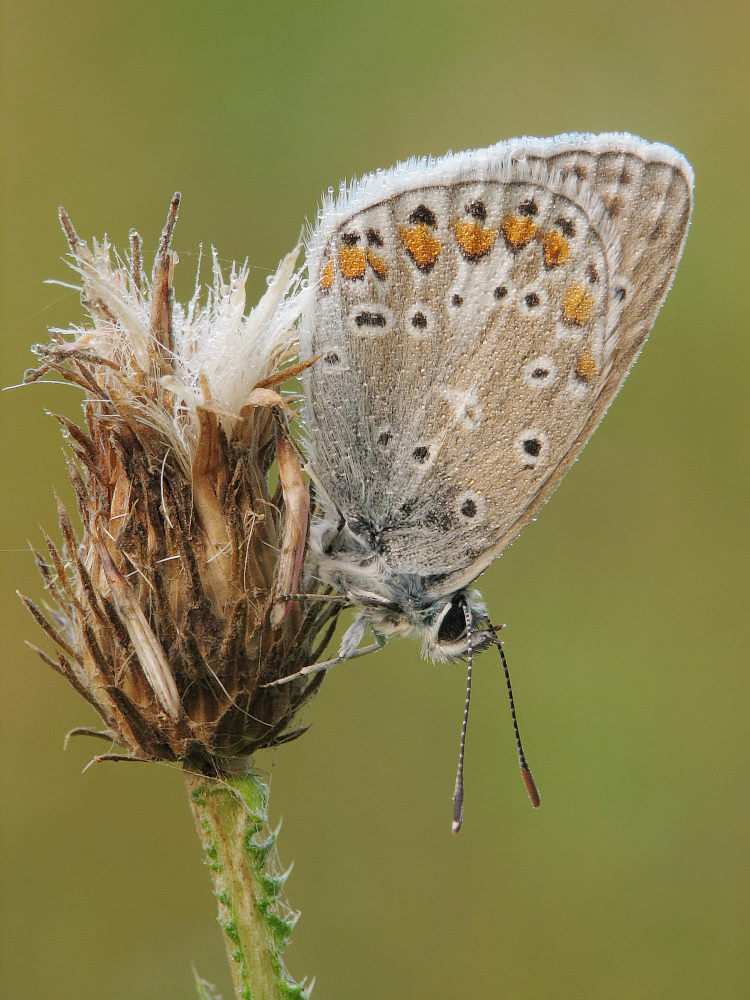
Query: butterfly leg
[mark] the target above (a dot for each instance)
(317, 668)
(353, 636)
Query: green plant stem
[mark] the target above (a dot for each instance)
(231, 815)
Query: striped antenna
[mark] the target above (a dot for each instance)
(458, 791)
(526, 775)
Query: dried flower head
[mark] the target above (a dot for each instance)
(172, 610)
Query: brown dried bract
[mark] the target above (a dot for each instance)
(172, 610)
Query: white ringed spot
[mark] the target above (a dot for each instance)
(540, 372)
(531, 447)
(370, 319)
(470, 506)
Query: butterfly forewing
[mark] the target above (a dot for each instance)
(475, 317)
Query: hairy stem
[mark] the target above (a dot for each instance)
(230, 815)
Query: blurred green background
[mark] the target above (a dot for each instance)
(625, 603)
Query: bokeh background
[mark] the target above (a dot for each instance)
(626, 603)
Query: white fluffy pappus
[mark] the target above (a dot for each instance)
(218, 352)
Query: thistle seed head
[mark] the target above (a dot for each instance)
(171, 606)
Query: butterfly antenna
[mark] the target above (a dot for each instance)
(458, 791)
(526, 775)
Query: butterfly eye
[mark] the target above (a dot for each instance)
(453, 625)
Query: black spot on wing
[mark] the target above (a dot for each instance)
(423, 214)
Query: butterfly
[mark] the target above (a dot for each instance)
(472, 316)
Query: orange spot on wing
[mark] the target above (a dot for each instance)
(473, 240)
(577, 306)
(377, 264)
(352, 261)
(519, 231)
(327, 275)
(421, 245)
(586, 368)
(556, 249)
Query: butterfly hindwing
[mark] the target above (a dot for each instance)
(475, 316)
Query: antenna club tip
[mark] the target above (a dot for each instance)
(531, 790)
(458, 809)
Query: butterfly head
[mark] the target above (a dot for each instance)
(395, 601)
(445, 635)
(446, 625)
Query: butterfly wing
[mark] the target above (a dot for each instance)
(475, 316)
